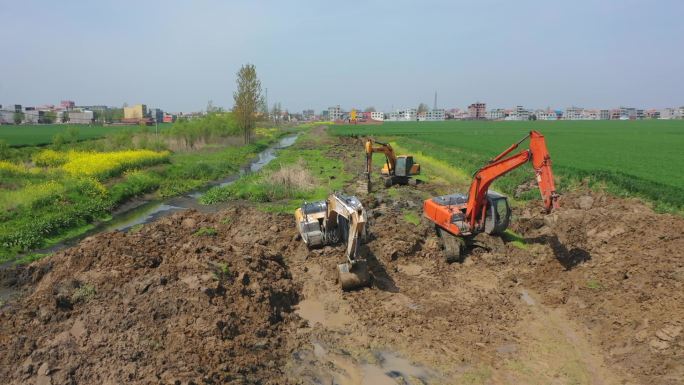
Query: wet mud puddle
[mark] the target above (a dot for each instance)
(325, 365)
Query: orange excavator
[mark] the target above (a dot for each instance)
(457, 216)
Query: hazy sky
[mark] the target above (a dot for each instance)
(177, 55)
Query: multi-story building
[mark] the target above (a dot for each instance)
(80, 117)
(6, 116)
(520, 113)
(496, 114)
(156, 114)
(377, 115)
(652, 114)
(589, 114)
(139, 111)
(408, 114)
(435, 115)
(547, 114)
(67, 104)
(604, 115)
(335, 113)
(628, 113)
(573, 113)
(477, 110)
(308, 115)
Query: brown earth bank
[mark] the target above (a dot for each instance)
(189, 299)
(594, 295)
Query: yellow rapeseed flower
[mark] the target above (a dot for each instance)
(101, 165)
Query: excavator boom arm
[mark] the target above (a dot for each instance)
(355, 215)
(499, 166)
(384, 148)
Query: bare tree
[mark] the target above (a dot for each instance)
(369, 109)
(247, 99)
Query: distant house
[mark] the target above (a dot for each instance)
(477, 111)
(137, 112)
(376, 115)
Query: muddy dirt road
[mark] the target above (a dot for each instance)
(595, 295)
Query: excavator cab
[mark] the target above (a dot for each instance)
(403, 165)
(498, 213)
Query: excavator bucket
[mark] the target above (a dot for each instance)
(353, 276)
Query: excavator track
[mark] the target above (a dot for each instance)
(454, 246)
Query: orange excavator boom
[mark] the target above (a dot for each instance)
(499, 166)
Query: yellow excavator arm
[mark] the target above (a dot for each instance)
(340, 218)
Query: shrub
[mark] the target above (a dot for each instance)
(11, 169)
(206, 231)
(136, 183)
(50, 158)
(102, 165)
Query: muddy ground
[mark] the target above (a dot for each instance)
(594, 296)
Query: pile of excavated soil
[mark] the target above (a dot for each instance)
(189, 299)
(618, 269)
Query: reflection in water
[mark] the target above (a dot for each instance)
(325, 365)
(143, 214)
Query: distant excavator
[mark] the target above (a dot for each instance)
(339, 218)
(396, 170)
(457, 216)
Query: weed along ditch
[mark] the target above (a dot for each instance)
(140, 211)
(217, 286)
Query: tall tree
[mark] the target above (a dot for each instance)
(18, 117)
(65, 116)
(49, 117)
(422, 107)
(247, 99)
(369, 109)
(277, 113)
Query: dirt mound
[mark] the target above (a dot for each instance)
(189, 299)
(621, 274)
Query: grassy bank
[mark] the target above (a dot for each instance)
(301, 173)
(626, 158)
(61, 190)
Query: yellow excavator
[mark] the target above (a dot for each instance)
(396, 170)
(339, 218)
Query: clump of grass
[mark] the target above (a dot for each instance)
(223, 267)
(29, 258)
(411, 217)
(517, 240)
(83, 294)
(293, 177)
(206, 232)
(226, 220)
(136, 228)
(594, 284)
(289, 181)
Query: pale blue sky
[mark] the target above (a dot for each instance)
(177, 55)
